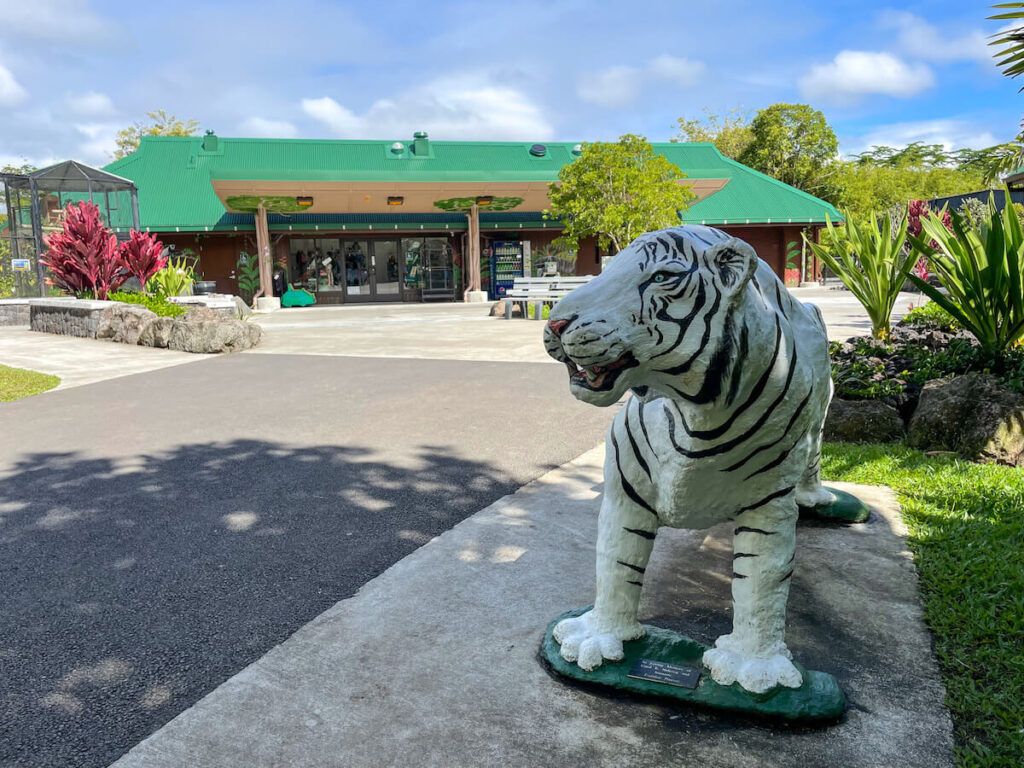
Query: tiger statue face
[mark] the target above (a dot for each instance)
(656, 317)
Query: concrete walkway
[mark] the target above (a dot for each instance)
(466, 332)
(433, 663)
(82, 361)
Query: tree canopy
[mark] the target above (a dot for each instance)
(160, 124)
(730, 133)
(616, 191)
(794, 144)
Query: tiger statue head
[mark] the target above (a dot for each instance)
(656, 318)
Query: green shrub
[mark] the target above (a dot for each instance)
(870, 259)
(173, 280)
(157, 304)
(931, 315)
(982, 272)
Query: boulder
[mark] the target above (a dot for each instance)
(157, 333)
(498, 309)
(973, 415)
(862, 421)
(242, 310)
(202, 314)
(123, 323)
(213, 336)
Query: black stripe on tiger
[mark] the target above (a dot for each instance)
(638, 583)
(739, 439)
(683, 367)
(755, 393)
(781, 493)
(627, 487)
(747, 529)
(773, 443)
(786, 576)
(777, 460)
(738, 555)
(643, 425)
(636, 568)
(649, 535)
(683, 324)
(636, 448)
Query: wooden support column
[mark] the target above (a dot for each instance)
(263, 252)
(473, 257)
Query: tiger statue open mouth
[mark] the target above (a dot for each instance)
(731, 382)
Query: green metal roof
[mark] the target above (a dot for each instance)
(174, 175)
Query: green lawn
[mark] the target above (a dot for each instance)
(16, 383)
(966, 526)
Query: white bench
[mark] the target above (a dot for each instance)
(540, 291)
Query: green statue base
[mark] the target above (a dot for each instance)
(846, 509)
(664, 664)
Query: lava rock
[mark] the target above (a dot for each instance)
(157, 333)
(863, 421)
(123, 323)
(213, 336)
(498, 308)
(242, 310)
(973, 415)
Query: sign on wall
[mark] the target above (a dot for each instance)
(21, 265)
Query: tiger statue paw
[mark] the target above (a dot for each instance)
(584, 641)
(757, 674)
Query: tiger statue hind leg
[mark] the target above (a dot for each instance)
(731, 379)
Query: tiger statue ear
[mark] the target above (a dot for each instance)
(734, 263)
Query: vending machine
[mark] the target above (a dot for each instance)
(506, 265)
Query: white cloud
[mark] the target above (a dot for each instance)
(852, 75)
(621, 85)
(100, 141)
(91, 104)
(259, 127)
(924, 41)
(612, 87)
(55, 20)
(11, 92)
(458, 107)
(682, 72)
(951, 133)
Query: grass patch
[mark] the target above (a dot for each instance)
(966, 530)
(16, 383)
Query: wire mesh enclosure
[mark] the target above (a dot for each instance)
(35, 205)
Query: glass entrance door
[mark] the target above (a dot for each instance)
(372, 271)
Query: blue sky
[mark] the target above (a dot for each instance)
(73, 71)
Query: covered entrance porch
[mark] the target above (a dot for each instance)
(352, 268)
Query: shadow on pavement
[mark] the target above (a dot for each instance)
(132, 588)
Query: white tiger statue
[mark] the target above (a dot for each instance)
(731, 382)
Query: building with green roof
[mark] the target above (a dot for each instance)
(396, 220)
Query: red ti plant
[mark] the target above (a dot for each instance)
(141, 256)
(84, 257)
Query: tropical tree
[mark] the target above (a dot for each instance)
(1010, 57)
(868, 255)
(160, 124)
(730, 133)
(794, 144)
(616, 191)
(982, 271)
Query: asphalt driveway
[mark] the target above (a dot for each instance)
(160, 531)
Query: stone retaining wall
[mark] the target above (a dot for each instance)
(14, 312)
(78, 317)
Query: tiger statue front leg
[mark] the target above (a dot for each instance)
(626, 527)
(754, 654)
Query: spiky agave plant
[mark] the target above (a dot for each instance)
(869, 257)
(980, 269)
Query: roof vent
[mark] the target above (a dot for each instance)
(538, 150)
(577, 149)
(210, 142)
(397, 148)
(420, 144)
